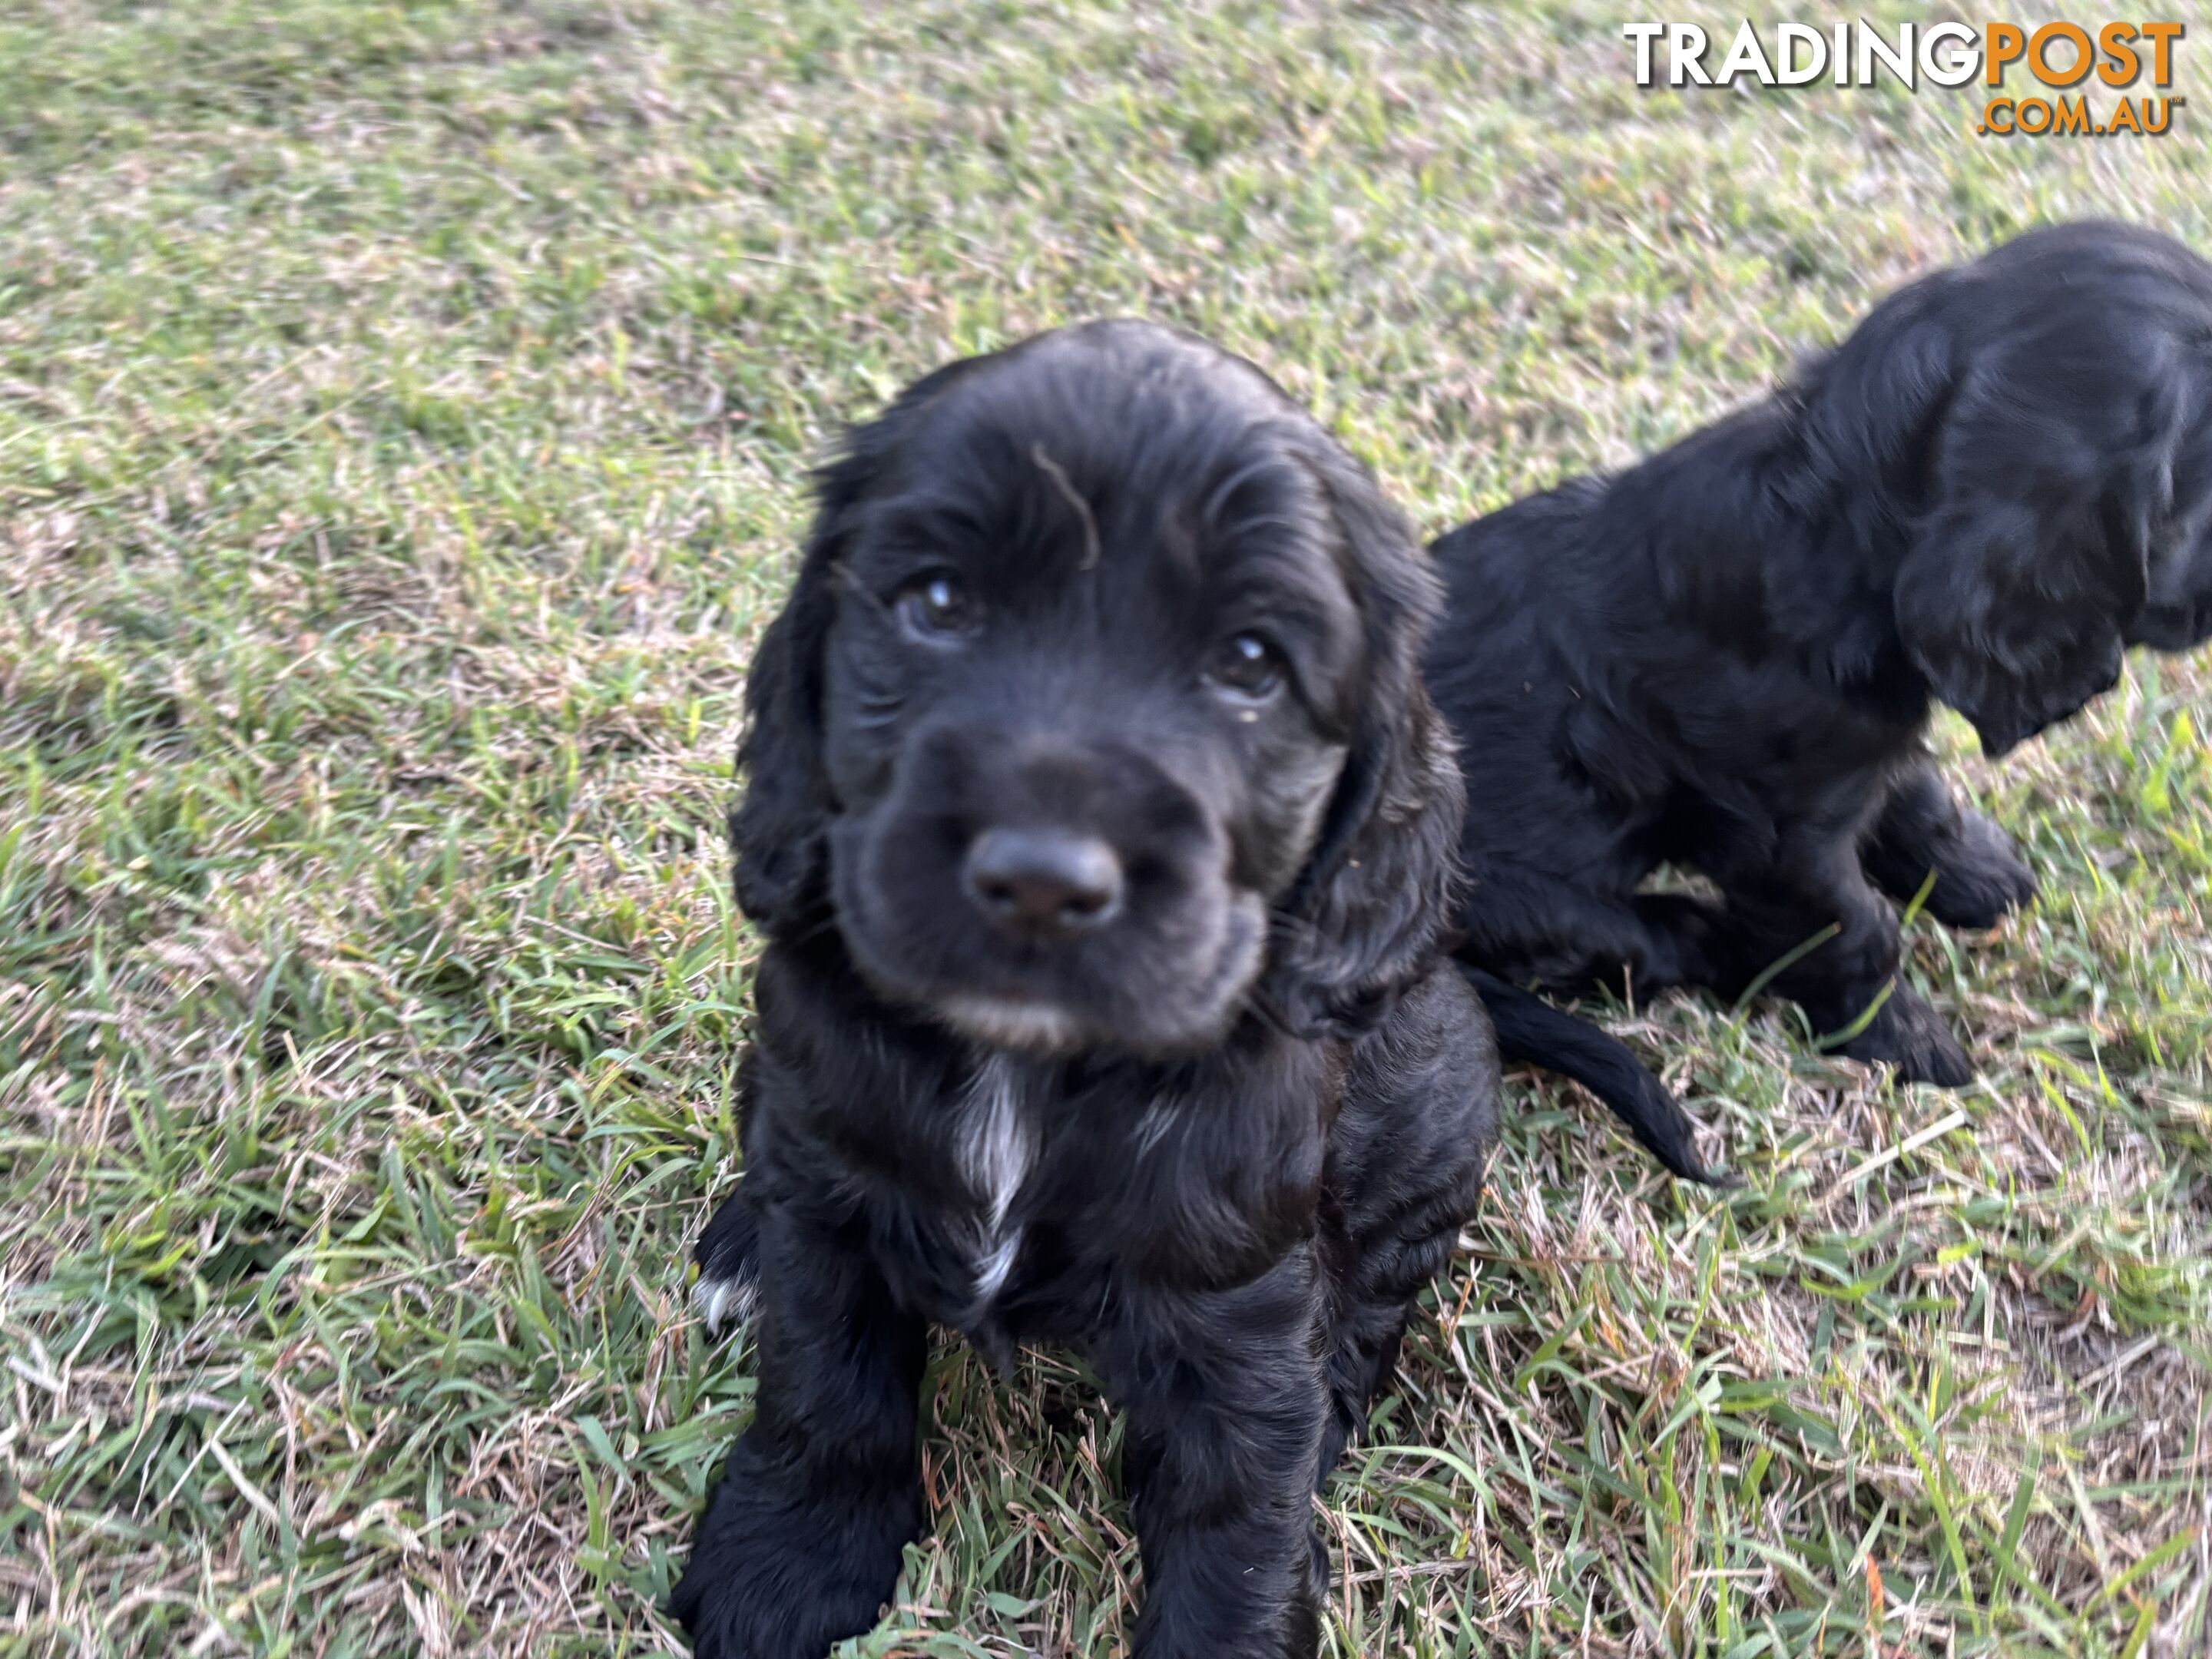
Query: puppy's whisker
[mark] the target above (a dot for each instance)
(1257, 1002)
(818, 930)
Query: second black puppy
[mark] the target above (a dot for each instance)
(1101, 830)
(1726, 657)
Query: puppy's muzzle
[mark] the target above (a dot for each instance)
(1048, 888)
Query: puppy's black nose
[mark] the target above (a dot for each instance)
(1043, 881)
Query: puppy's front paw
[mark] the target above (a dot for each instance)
(728, 1254)
(776, 1580)
(1981, 877)
(1910, 1036)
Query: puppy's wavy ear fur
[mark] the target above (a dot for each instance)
(1366, 917)
(2013, 610)
(2068, 467)
(778, 827)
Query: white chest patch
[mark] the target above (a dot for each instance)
(995, 1154)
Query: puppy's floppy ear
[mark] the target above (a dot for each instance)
(2176, 613)
(2015, 611)
(778, 829)
(1365, 917)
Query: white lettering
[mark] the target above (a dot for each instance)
(1963, 62)
(1686, 44)
(1898, 62)
(1786, 39)
(1746, 55)
(1643, 34)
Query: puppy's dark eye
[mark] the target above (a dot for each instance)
(936, 606)
(1247, 666)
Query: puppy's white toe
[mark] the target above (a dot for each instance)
(723, 1302)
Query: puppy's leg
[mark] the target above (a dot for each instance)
(1524, 924)
(1688, 925)
(728, 1250)
(802, 1538)
(1383, 1274)
(728, 1254)
(1779, 909)
(1979, 877)
(1225, 1405)
(1406, 1161)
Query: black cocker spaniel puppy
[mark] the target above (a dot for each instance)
(1100, 831)
(1725, 658)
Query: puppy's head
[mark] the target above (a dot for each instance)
(1094, 715)
(2072, 464)
(2018, 611)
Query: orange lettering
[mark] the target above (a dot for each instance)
(2126, 62)
(2001, 43)
(2161, 37)
(2038, 47)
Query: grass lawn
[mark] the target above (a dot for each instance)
(404, 413)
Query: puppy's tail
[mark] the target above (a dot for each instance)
(1530, 1029)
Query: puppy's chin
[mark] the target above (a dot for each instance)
(1034, 1028)
(1151, 1020)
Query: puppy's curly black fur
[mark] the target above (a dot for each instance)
(1725, 658)
(1101, 830)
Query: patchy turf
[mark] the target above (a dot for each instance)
(404, 412)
